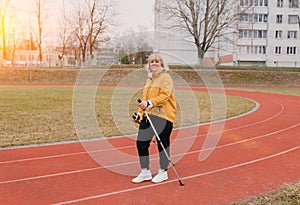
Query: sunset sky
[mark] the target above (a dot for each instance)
(133, 14)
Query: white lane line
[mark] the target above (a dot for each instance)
(133, 162)
(183, 178)
(49, 175)
(257, 137)
(63, 155)
(125, 147)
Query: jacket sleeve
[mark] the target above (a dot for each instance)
(140, 110)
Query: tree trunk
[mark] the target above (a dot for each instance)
(4, 38)
(201, 54)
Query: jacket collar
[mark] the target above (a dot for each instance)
(156, 73)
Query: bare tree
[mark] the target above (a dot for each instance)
(134, 46)
(98, 21)
(142, 44)
(126, 47)
(3, 16)
(204, 20)
(11, 48)
(41, 16)
(77, 23)
(65, 35)
(11, 32)
(91, 21)
(13, 42)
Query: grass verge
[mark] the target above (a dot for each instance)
(289, 194)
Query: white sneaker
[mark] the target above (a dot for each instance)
(161, 176)
(144, 175)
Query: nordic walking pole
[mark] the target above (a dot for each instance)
(158, 139)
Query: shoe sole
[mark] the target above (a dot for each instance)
(159, 181)
(147, 179)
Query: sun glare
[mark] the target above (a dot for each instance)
(15, 15)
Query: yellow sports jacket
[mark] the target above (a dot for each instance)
(159, 89)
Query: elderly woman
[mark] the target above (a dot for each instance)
(159, 101)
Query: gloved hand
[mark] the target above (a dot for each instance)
(136, 117)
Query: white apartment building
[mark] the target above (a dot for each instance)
(267, 34)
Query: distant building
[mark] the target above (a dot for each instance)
(106, 55)
(52, 57)
(24, 58)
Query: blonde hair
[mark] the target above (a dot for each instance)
(159, 58)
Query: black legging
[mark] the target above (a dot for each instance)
(145, 135)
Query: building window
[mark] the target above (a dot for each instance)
(31, 57)
(261, 2)
(292, 34)
(293, 3)
(48, 58)
(256, 49)
(278, 50)
(22, 57)
(291, 50)
(279, 18)
(266, 3)
(293, 19)
(263, 18)
(278, 34)
(245, 34)
(254, 2)
(241, 2)
(279, 3)
(253, 33)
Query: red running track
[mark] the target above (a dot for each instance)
(257, 152)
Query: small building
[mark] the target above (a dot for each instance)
(24, 58)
